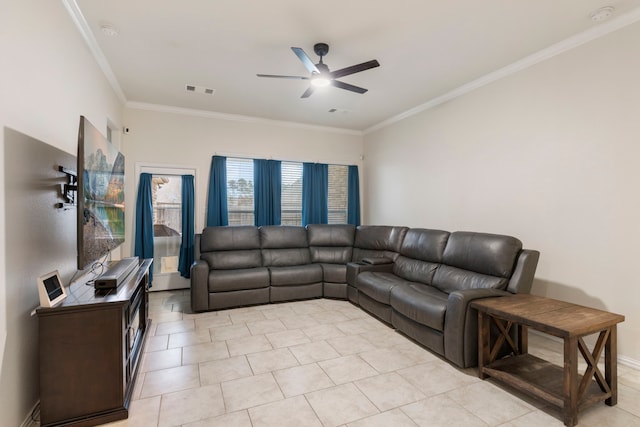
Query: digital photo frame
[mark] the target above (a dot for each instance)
(51, 290)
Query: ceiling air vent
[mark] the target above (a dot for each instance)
(602, 14)
(339, 110)
(199, 89)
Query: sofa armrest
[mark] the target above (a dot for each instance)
(200, 285)
(355, 268)
(461, 325)
(524, 271)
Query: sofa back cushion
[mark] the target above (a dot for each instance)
(226, 248)
(284, 245)
(420, 255)
(331, 243)
(477, 260)
(229, 238)
(377, 241)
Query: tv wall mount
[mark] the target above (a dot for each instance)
(69, 190)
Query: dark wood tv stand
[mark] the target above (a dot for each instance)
(90, 348)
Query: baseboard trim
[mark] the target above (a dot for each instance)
(623, 360)
(35, 413)
(629, 362)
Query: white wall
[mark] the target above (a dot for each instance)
(179, 140)
(549, 155)
(48, 79)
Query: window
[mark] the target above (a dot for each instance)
(291, 201)
(240, 191)
(166, 196)
(240, 196)
(338, 194)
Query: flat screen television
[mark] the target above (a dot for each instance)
(100, 195)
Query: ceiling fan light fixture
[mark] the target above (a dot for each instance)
(321, 76)
(320, 81)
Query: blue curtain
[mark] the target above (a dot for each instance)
(217, 212)
(186, 247)
(144, 221)
(267, 181)
(315, 193)
(353, 198)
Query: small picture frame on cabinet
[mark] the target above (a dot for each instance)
(51, 289)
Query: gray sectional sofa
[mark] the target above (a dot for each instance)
(419, 281)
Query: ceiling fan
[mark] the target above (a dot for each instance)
(320, 74)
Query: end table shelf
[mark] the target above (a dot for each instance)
(540, 378)
(560, 386)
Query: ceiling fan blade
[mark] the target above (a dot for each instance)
(307, 93)
(354, 69)
(347, 86)
(275, 76)
(306, 61)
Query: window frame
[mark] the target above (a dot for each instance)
(286, 211)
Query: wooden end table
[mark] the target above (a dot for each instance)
(560, 386)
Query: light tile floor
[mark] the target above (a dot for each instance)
(325, 363)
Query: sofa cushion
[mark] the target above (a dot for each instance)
(414, 270)
(490, 254)
(284, 246)
(449, 279)
(424, 244)
(226, 248)
(285, 257)
(476, 260)
(283, 237)
(420, 254)
(334, 273)
(239, 279)
(377, 241)
(331, 243)
(378, 285)
(228, 260)
(296, 275)
(421, 303)
(331, 234)
(331, 255)
(225, 238)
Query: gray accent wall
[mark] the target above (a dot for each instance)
(39, 238)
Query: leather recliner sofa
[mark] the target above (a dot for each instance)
(425, 293)
(228, 270)
(417, 280)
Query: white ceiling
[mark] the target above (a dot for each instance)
(426, 49)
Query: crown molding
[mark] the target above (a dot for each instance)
(85, 31)
(596, 32)
(556, 49)
(236, 118)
